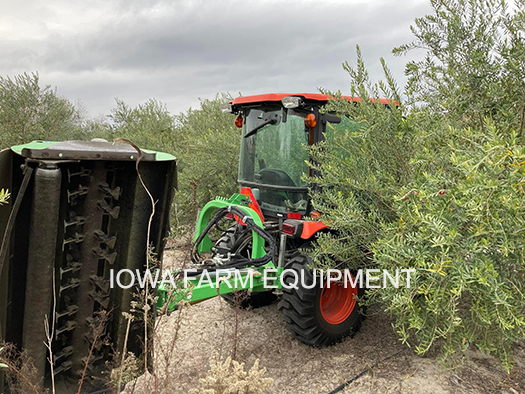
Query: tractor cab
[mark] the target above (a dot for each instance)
(276, 132)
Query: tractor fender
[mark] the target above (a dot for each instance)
(310, 228)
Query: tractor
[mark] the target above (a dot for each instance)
(272, 223)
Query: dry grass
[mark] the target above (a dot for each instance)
(230, 377)
(21, 374)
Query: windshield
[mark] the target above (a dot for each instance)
(275, 154)
(274, 157)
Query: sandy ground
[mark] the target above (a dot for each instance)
(297, 368)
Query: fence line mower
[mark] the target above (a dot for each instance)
(77, 210)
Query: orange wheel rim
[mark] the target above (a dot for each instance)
(337, 302)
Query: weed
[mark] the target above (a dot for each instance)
(230, 377)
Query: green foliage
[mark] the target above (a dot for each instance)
(463, 231)
(362, 164)
(29, 112)
(208, 146)
(474, 65)
(149, 125)
(441, 190)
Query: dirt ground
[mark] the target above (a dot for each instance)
(297, 368)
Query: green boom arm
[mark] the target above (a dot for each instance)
(208, 285)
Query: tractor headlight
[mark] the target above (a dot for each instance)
(292, 102)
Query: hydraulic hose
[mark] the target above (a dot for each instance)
(236, 261)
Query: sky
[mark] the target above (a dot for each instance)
(178, 51)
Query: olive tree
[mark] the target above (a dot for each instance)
(440, 189)
(31, 112)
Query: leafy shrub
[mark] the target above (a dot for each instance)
(440, 190)
(361, 165)
(209, 156)
(29, 112)
(149, 125)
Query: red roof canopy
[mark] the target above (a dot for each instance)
(260, 98)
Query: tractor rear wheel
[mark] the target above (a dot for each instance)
(237, 240)
(319, 316)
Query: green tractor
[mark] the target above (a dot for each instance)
(272, 224)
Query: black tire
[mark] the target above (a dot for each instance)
(237, 240)
(302, 312)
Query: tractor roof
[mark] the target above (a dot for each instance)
(274, 97)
